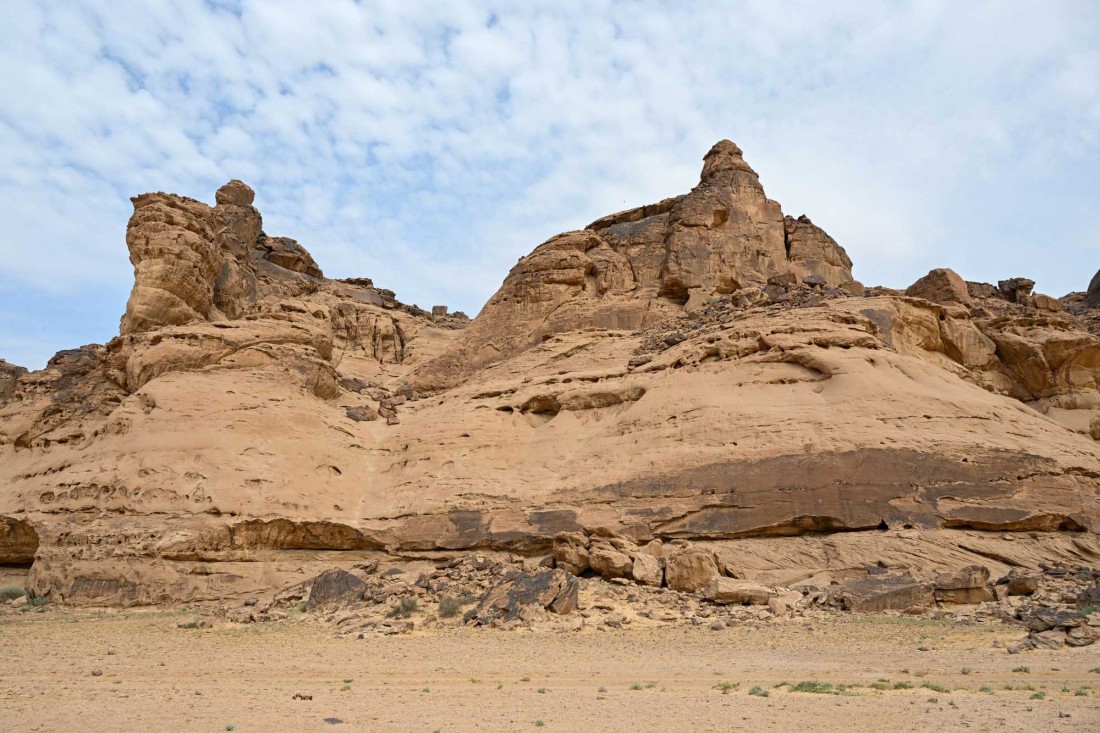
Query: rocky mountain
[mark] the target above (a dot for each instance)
(704, 368)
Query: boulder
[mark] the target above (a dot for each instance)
(1083, 635)
(875, 593)
(647, 569)
(942, 286)
(1047, 303)
(334, 586)
(1043, 619)
(690, 569)
(1019, 583)
(521, 592)
(1090, 596)
(570, 551)
(609, 562)
(967, 585)
(784, 602)
(744, 592)
(361, 413)
(1051, 640)
(235, 193)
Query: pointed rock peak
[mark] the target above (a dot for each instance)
(722, 162)
(235, 193)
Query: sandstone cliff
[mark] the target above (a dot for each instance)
(702, 368)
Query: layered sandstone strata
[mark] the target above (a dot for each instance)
(702, 369)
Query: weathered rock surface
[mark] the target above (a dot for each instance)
(665, 374)
(634, 268)
(966, 585)
(730, 590)
(9, 374)
(941, 286)
(875, 593)
(690, 570)
(520, 594)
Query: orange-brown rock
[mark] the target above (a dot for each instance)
(636, 268)
(9, 375)
(666, 374)
(941, 286)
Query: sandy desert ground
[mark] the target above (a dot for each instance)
(898, 674)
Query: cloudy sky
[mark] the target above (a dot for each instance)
(428, 145)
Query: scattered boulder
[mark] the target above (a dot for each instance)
(1083, 635)
(647, 569)
(744, 592)
(353, 384)
(875, 593)
(609, 562)
(521, 592)
(1090, 596)
(334, 586)
(784, 602)
(1019, 583)
(570, 552)
(690, 569)
(673, 338)
(362, 413)
(1051, 640)
(942, 286)
(964, 586)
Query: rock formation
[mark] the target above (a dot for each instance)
(638, 267)
(703, 370)
(9, 375)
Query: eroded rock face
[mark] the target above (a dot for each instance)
(812, 252)
(666, 375)
(634, 268)
(9, 374)
(176, 259)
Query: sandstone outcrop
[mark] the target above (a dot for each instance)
(690, 390)
(635, 268)
(9, 374)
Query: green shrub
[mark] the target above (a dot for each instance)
(758, 691)
(818, 688)
(449, 607)
(10, 593)
(405, 607)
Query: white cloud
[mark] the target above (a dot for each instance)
(428, 145)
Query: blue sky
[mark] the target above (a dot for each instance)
(428, 145)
